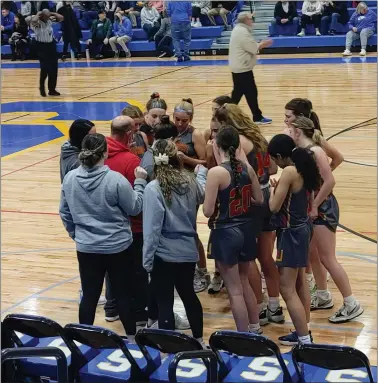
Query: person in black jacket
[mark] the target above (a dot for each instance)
(71, 30)
(19, 39)
(285, 12)
(335, 12)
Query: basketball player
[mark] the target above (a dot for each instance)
(255, 147)
(289, 197)
(325, 215)
(156, 107)
(192, 151)
(230, 188)
(320, 295)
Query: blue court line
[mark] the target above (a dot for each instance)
(215, 62)
(36, 295)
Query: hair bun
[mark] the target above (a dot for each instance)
(189, 100)
(164, 119)
(155, 95)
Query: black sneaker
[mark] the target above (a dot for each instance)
(291, 339)
(54, 93)
(276, 316)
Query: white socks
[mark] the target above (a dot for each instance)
(254, 328)
(350, 301)
(324, 294)
(305, 339)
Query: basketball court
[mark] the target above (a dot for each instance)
(39, 267)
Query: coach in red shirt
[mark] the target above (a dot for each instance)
(121, 160)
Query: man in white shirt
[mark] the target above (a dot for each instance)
(242, 59)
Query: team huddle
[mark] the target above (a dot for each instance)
(130, 202)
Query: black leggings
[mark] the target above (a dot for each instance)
(196, 12)
(165, 277)
(306, 20)
(92, 273)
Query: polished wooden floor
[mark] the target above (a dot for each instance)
(39, 273)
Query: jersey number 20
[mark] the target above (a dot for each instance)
(240, 205)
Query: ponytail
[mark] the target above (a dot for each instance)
(306, 166)
(235, 167)
(228, 140)
(317, 137)
(283, 145)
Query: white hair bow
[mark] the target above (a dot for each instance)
(161, 159)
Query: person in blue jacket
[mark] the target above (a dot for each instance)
(180, 13)
(7, 21)
(123, 33)
(362, 26)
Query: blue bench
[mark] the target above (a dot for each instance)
(293, 29)
(315, 41)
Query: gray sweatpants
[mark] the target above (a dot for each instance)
(122, 40)
(363, 35)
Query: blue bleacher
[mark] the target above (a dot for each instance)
(293, 29)
(315, 41)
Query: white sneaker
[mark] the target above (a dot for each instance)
(318, 303)
(318, 33)
(347, 52)
(192, 23)
(201, 280)
(363, 52)
(112, 319)
(181, 323)
(301, 33)
(198, 24)
(345, 313)
(216, 284)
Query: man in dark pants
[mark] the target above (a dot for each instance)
(46, 49)
(242, 59)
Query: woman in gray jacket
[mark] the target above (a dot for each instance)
(170, 248)
(95, 206)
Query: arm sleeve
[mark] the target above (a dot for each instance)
(143, 17)
(153, 218)
(352, 20)
(65, 215)
(131, 200)
(201, 183)
(277, 10)
(162, 28)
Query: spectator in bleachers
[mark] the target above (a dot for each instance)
(39, 6)
(123, 33)
(78, 5)
(158, 5)
(71, 30)
(333, 13)
(26, 8)
(7, 22)
(101, 31)
(150, 20)
(199, 8)
(163, 38)
(180, 13)
(132, 9)
(19, 39)
(285, 12)
(311, 14)
(362, 26)
(11, 5)
(222, 9)
(110, 7)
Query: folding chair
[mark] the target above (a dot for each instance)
(11, 354)
(196, 369)
(331, 363)
(261, 358)
(117, 359)
(49, 334)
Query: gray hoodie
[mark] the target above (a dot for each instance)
(69, 159)
(169, 232)
(94, 207)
